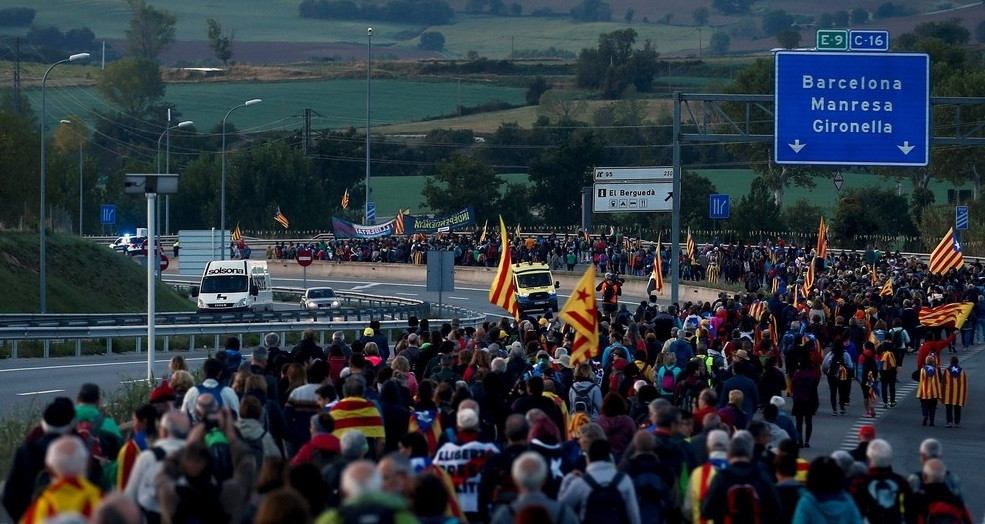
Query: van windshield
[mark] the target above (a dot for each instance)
(224, 284)
(534, 280)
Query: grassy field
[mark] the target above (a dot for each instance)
(392, 193)
(341, 103)
(82, 278)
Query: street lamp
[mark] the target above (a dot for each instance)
(369, 62)
(167, 165)
(69, 122)
(42, 273)
(222, 200)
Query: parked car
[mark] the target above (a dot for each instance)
(320, 298)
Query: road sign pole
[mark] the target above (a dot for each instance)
(675, 216)
(304, 278)
(151, 262)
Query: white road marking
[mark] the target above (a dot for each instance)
(364, 286)
(405, 294)
(40, 392)
(458, 298)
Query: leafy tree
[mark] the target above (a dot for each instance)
(475, 6)
(252, 195)
(859, 16)
(888, 10)
(455, 182)
(825, 21)
(536, 87)
(949, 31)
(719, 43)
(20, 148)
(561, 106)
(220, 42)
(732, 7)
(802, 216)
(20, 106)
(980, 32)
(700, 16)
(559, 174)
(869, 211)
(431, 41)
(131, 84)
(151, 30)
(615, 65)
(788, 39)
(842, 18)
(776, 20)
(745, 28)
(755, 209)
(497, 7)
(630, 12)
(591, 11)
(17, 16)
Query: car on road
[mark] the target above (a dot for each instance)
(320, 298)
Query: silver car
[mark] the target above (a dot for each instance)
(320, 298)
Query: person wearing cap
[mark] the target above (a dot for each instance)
(276, 357)
(866, 434)
(162, 398)
(929, 389)
(380, 338)
(783, 420)
(66, 460)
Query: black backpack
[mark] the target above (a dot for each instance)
(256, 448)
(220, 456)
(656, 494)
(369, 513)
(583, 401)
(742, 505)
(605, 503)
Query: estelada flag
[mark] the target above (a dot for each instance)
(582, 314)
(949, 315)
(345, 199)
(690, 246)
(756, 310)
(428, 424)
(656, 282)
(398, 223)
(237, 234)
(887, 289)
(822, 240)
(947, 255)
(281, 219)
(502, 292)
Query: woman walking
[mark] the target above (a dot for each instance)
(805, 399)
(929, 389)
(868, 377)
(838, 366)
(954, 392)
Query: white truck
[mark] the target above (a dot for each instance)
(235, 285)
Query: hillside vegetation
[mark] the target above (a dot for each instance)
(83, 277)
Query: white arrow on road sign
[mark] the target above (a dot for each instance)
(796, 146)
(906, 147)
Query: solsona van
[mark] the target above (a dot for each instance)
(235, 285)
(535, 287)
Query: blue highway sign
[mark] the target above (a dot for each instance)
(868, 40)
(961, 218)
(718, 206)
(370, 213)
(860, 109)
(107, 214)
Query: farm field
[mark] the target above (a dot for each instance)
(404, 192)
(341, 103)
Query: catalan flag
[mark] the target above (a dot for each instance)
(947, 255)
(756, 310)
(887, 289)
(502, 293)
(822, 240)
(398, 223)
(581, 313)
(775, 286)
(428, 424)
(656, 282)
(485, 227)
(345, 199)
(237, 234)
(872, 274)
(808, 280)
(954, 386)
(281, 219)
(949, 315)
(353, 413)
(690, 246)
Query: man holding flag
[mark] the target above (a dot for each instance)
(502, 293)
(581, 313)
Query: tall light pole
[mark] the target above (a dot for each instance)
(167, 166)
(369, 63)
(44, 253)
(222, 200)
(69, 122)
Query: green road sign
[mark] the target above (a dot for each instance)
(832, 40)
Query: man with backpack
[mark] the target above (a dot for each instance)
(656, 486)
(602, 494)
(742, 492)
(937, 502)
(883, 495)
(98, 432)
(528, 473)
(224, 396)
(497, 487)
(171, 434)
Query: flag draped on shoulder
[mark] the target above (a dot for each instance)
(656, 282)
(949, 315)
(281, 219)
(947, 255)
(345, 199)
(502, 293)
(237, 234)
(756, 311)
(428, 424)
(581, 313)
(822, 240)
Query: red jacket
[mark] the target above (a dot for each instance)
(935, 346)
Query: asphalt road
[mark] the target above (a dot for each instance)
(27, 383)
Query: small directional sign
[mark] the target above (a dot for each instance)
(868, 40)
(832, 40)
(107, 214)
(839, 181)
(718, 206)
(961, 218)
(370, 213)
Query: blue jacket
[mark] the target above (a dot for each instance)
(832, 509)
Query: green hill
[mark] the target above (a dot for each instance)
(83, 277)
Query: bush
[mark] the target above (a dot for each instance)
(431, 41)
(17, 16)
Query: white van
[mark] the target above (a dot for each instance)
(235, 285)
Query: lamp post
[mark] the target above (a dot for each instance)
(167, 166)
(369, 63)
(222, 200)
(42, 273)
(69, 122)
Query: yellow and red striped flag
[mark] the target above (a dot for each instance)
(822, 240)
(502, 293)
(872, 274)
(354, 413)
(281, 219)
(887, 289)
(398, 224)
(949, 315)
(690, 246)
(345, 199)
(581, 313)
(954, 386)
(775, 286)
(485, 227)
(427, 423)
(237, 235)
(947, 255)
(756, 310)
(808, 280)
(656, 282)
